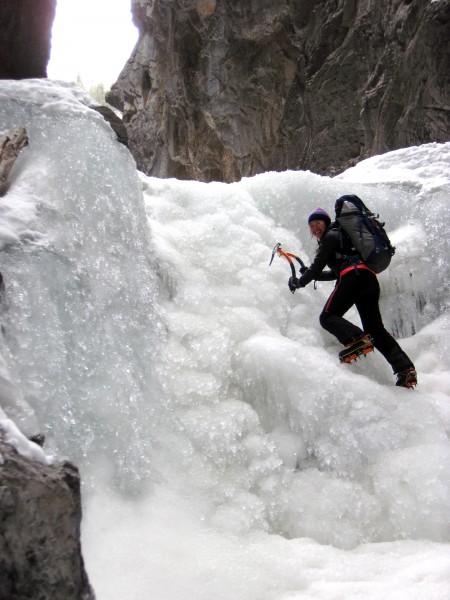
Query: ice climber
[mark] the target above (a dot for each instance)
(356, 285)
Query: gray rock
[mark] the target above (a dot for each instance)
(220, 90)
(11, 143)
(115, 122)
(25, 37)
(40, 514)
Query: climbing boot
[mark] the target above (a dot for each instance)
(356, 349)
(407, 378)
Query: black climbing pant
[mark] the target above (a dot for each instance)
(360, 287)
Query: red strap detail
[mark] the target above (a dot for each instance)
(361, 266)
(343, 272)
(327, 305)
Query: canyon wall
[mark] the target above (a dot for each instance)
(221, 89)
(25, 37)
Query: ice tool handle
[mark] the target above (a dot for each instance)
(277, 249)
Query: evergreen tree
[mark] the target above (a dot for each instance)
(97, 92)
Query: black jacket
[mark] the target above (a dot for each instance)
(336, 252)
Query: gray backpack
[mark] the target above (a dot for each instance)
(365, 232)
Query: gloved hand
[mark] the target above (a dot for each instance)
(293, 283)
(303, 270)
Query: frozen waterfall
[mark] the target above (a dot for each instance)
(225, 453)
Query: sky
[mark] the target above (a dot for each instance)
(91, 38)
(224, 451)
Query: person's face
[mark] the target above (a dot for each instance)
(317, 228)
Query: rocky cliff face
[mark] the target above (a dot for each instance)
(220, 89)
(25, 35)
(40, 513)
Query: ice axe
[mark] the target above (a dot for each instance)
(277, 249)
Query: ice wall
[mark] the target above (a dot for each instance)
(79, 315)
(289, 440)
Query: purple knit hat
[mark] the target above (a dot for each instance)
(319, 215)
